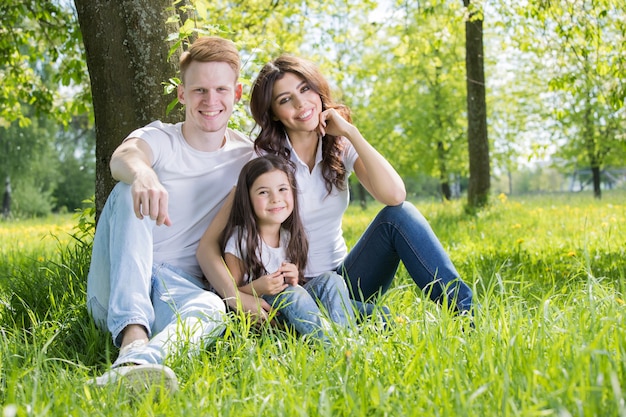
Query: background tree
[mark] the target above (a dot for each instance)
(128, 60)
(587, 86)
(478, 143)
(398, 65)
(579, 67)
(40, 50)
(396, 68)
(75, 147)
(29, 162)
(41, 73)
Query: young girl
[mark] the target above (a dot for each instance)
(265, 247)
(291, 103)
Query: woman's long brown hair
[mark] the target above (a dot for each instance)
(272, 137)
(242, 220)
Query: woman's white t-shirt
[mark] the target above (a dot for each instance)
(321, 212)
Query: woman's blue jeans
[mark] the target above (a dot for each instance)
(401, 233)
(308, 307)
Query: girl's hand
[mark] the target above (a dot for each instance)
(332, 123)
(289, 272)
(270, 284)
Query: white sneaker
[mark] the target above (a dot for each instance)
(133, 345)
(140, 377)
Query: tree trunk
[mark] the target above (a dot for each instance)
(510, 175)
(596, 176)
(126, 50)
(362, 195)
(479, 165)
(6, 199)
(444, 179)
(591, 144)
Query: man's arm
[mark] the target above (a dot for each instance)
(132, 163)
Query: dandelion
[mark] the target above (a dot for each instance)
(348, 354)
(519, 241)
(10, 410)
(516, 226)
(571, 254)
(502, 197)
(619, 301)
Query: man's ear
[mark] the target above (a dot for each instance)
(181, 93)
(238, 92)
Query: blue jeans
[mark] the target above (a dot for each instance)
(124, 287)
(401, 233)
(299, 305)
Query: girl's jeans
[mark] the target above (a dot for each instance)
(300, 305)
(124, 287)
(401, 233)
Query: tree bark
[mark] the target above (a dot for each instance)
(6, 199)
(478, 143)
(597, 182)
(591, 144)
(126, 52)
(444, 178)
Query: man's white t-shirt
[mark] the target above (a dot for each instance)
(197, 182)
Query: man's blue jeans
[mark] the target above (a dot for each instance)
(401, 233)
(124, 287)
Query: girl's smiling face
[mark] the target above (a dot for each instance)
(296, 104)
(271, 195)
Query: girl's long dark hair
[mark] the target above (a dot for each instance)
(272, 137)
(242, 221)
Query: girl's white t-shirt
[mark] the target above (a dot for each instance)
(197, 183)
(271, 258)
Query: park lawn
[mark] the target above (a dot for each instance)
(548, 339)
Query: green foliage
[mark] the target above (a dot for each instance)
(30, 200)
(572, 44)
(44, 85)
(40, 50)
(548, 339)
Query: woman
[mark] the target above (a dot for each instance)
(292, 105)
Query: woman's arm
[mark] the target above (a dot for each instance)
(376, 174)
(215, 270)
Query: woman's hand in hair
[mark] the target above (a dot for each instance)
(332, 123)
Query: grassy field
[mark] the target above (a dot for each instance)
(549, 338)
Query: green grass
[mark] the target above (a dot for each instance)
(549, 337)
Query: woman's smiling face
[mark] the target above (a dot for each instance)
(296, 104)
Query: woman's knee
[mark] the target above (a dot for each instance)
(403, 210)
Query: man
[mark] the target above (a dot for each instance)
(144, 284)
